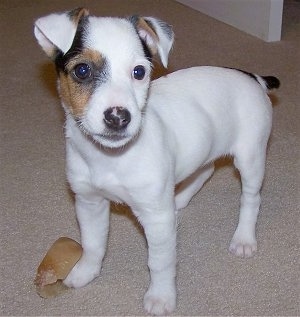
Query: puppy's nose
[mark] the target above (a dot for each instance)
(117, 118)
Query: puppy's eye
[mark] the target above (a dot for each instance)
(139, 72)
(82, 72)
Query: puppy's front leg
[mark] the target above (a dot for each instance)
(160, 230)
(93, 218)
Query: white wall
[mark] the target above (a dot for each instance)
(261, 18)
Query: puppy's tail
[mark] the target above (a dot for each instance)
(268, 82)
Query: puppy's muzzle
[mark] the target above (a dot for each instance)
(117, 118)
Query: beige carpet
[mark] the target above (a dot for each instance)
(37, 207)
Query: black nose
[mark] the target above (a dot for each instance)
(117, 118)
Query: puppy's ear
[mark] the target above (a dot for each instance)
(56, 31)
(156, 34)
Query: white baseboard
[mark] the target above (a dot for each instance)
(261, 18)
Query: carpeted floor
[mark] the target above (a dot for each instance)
(37, 206)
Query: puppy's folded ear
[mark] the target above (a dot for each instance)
(157, 35)
(56, 31)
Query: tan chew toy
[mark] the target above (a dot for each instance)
(55, 267)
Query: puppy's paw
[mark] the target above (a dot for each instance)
(243, 250)
(243, 243)
(243, 247)
(159, 303)
(82, 273)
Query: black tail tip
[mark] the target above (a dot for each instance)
(272, 82)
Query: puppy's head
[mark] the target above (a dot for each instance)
(104, 67)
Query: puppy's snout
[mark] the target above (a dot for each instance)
(117, 118)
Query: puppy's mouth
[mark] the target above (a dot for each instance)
(113, 140)
(113, 136)
(108, 138)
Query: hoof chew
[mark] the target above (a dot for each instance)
(55, 267)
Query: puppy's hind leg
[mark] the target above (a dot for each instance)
(251, 165)
(190, 187)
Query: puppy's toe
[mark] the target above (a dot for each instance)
(82, 274)
(245, 250)
(159, 304)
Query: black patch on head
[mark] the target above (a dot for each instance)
(134, 20)
(74, 13)
(99, 70)
(101, 73)
(147, 52)
(77, 46)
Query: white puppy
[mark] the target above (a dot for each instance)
(131, 141)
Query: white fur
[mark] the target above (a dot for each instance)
(60, 32)
(192, 117)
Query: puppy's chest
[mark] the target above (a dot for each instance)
(108, 183)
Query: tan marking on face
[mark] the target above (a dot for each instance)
(75, 94)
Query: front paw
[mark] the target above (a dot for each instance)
(82, 273)
(243, 245)
(160, 302)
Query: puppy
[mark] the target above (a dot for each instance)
(130, 140)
